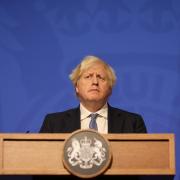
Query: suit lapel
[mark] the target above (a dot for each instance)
(115, 121)
(73, 119)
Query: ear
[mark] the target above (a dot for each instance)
(76, 89)
(110, 92)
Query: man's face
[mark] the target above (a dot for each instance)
(93, 85)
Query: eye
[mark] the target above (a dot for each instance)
(88, 76)
(101, 77)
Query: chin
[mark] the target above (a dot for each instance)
(95, 99)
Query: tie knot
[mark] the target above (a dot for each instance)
(94, 115)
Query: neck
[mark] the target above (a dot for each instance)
(93, 106)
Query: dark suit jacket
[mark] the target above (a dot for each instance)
(119, 121)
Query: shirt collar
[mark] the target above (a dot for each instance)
(85, 113)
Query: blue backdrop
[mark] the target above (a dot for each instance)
(41, 41)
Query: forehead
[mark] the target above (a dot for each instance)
(95, 68)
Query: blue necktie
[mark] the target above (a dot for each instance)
(93, 124)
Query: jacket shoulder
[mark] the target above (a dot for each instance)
(125, 121)
(124, 112)
(61, 114)
(65, 121)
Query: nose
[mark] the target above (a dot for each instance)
(95, 80)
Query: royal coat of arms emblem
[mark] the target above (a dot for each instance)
(86, 153)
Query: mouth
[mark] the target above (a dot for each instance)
(94, 90)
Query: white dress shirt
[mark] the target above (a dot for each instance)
(101, 119)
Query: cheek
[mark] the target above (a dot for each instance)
(107, 90)
(80, 88)
(105, 86)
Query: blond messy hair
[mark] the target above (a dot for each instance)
(86, 63)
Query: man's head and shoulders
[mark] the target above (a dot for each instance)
(93, 81)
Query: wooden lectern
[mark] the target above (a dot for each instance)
(133, 154)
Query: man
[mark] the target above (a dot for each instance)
(93, 80)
